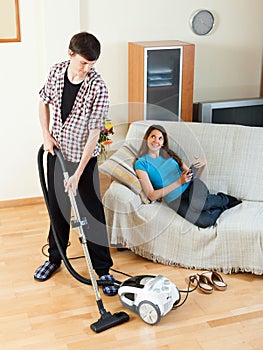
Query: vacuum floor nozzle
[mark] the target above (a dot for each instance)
(108, 321)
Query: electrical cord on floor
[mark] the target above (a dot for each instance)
(69, 244)
(121, 273)
(175, 306)
(44, 247)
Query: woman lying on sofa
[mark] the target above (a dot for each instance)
(164, 175)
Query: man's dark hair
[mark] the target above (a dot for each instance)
(85, 45)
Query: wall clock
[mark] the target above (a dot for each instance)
(202, 22)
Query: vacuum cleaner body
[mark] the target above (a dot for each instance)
(151, 296)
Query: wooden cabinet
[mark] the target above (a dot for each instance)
(160, 80)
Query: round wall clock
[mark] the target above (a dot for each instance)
(202, 22)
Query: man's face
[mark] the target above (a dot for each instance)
(79, 65)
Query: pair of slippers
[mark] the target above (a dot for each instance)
(208, 281)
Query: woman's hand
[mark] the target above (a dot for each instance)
(186, 176)
(199, 162)
(199, 165)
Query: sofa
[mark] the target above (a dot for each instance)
(234, 155)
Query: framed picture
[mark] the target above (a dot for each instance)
(9, 21)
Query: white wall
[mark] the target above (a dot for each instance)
(227, 62)
(45, 31)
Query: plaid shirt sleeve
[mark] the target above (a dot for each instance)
(100, 107)
(46, 92)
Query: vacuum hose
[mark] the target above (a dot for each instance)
(69, 267)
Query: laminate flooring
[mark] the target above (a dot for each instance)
(56, 314)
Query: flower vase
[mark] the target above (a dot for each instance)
(104, 153)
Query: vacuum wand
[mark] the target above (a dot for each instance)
(107, 320)
(79, 223)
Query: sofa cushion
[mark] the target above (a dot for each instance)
(120, 168)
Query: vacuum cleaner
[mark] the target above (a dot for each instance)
(107, 320)
(150, 296)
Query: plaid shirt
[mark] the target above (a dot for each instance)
(88, 112)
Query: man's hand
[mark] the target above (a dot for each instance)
(49, 144)
(72, 184)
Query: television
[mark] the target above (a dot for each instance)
(248, 112)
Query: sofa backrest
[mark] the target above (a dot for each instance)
(234, 153)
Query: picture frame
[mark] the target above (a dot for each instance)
(9, 21)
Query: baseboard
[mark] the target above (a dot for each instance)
(21, 202)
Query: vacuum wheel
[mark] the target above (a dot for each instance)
(149, 312)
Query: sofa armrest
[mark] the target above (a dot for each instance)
(121, 199)
(121, 207)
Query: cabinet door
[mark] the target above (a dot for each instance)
(160, 80)
(163, 72)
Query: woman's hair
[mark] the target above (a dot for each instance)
(165, 151)
(85, 45)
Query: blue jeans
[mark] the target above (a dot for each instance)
(198, 206)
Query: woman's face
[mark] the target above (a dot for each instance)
(155, 141)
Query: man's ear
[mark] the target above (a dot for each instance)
(70, 53)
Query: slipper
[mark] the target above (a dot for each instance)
(215, 279)
(108, 289)
(202, 282)
(45, 271)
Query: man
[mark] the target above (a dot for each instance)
(79, 99)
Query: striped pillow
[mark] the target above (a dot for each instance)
(120, 168)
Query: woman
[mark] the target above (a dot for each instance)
(163, 174)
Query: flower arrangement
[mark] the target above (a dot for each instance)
(104, 139)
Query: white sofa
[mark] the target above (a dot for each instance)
(234, 165)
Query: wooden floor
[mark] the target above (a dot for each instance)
(57, 314)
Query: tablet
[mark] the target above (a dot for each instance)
(194, 170)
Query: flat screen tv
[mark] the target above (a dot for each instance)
(248, 112)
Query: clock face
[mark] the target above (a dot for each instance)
(202, 22)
